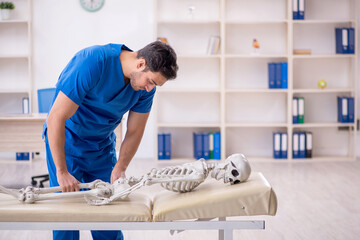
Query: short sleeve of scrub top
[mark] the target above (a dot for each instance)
(145, 102)
(85, 72)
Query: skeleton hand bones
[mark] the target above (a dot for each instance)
(181, 178)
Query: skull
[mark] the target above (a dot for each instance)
(237, 169)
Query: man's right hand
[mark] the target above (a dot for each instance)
(67, 182)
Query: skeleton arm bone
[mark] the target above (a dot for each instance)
(90, 185)
(31, 194)
(137, 183)
(31, 197)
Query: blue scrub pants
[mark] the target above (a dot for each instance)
(84, 176)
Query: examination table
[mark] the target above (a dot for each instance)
(204, 208)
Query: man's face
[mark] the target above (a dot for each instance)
(141, 80)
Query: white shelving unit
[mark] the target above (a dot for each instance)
(228, 92)
(16, 67)
(15, 58)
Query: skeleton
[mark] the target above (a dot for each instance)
(182, 178)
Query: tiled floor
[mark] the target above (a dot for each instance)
(315, 201)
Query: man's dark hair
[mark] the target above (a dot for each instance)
(159, 57)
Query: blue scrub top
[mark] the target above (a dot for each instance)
(94, 80)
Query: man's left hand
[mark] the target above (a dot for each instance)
(116, 174)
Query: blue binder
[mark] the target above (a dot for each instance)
(167, 146)
(339, 108)
(25, 156)
(278, 75)
(205, 147)
(350, 109)
(301, 6)
(217, 146)
(295, 110)
(284, 145)
(295, 9)
(302, 145)
(296, 153)
(160, 146)
(19, 156)
(284, 75)
(351, 40)
(343, 109)
(271, 67)
(342, 41)
(197, 145)
(277, 145)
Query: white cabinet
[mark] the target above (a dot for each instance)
(19, 132)
(228, 92)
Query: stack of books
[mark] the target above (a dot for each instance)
(302, 51)
(207, 145)
(302, 145)
(345, 109)
(298, 110)
(164, 146)
(278, 75)
(345, 40)
(214, 45)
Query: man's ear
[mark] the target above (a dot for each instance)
(141, 64)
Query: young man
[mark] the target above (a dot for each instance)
(98, 86)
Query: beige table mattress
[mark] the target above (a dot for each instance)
(215, 199)
(137, 208)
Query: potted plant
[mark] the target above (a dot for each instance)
(5, 8)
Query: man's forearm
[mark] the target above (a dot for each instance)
(128, 149)
(135, 129)
(56, 137)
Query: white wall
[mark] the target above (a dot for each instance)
(61, 28)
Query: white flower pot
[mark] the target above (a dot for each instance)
(5, 14)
